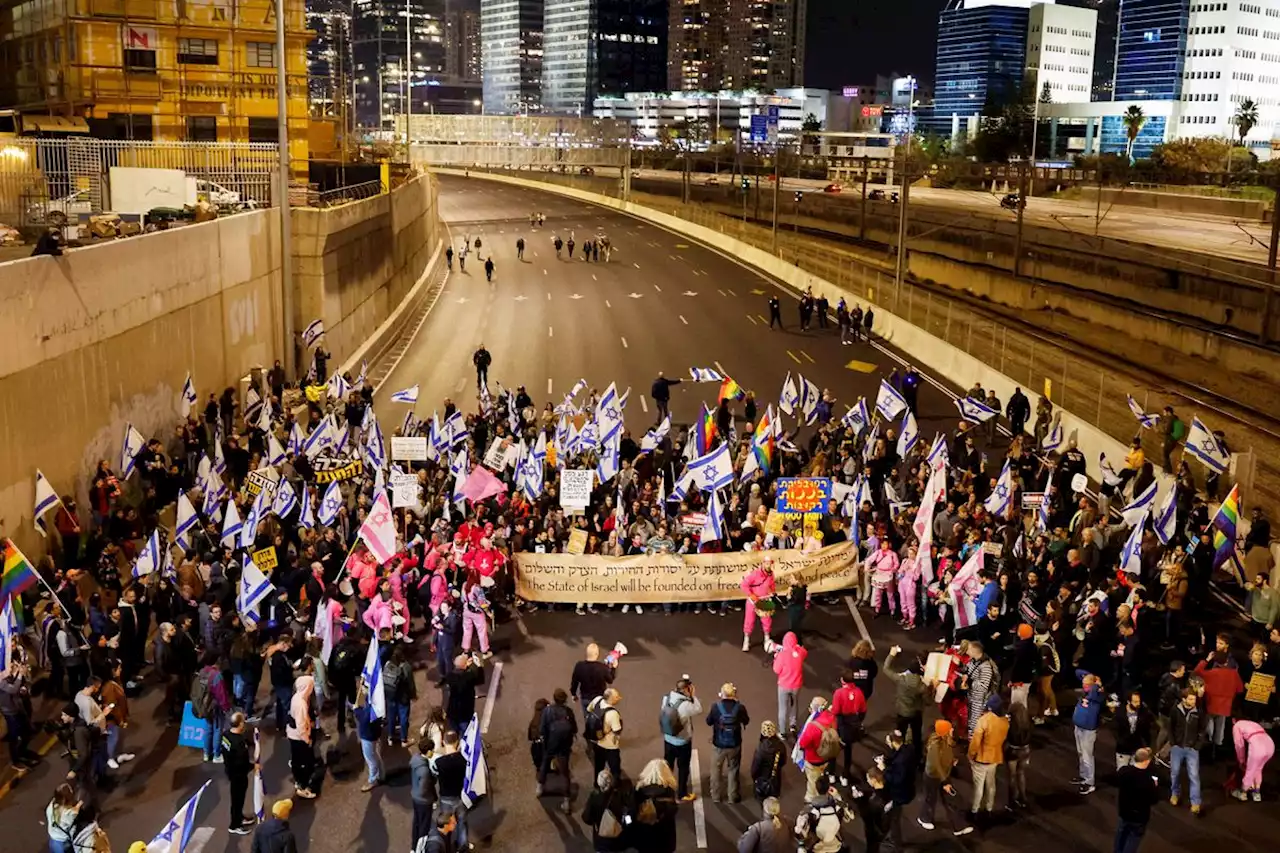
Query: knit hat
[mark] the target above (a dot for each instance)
(138, 847)
(941, 728)
(1025, 631)
(995, 704)
(280, 809)
(768, 729)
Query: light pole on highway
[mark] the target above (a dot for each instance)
(282, 193)
(777, 183)
(906, 189)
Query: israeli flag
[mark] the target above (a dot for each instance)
(149, 558)
(607, 464)
(46, 499)
(296, 440)
(1166, 517)
(858, 494)
(789, 399)
(265, 415)
(275, 452)
(578, 388)
(339, 388)
(285, 501)
(809, 396)
(623, 398)
(133, 445)
(889, 401)
(588, 438)
(372, 675)
(343, 436)
(1053, 440)
(321, 437)
(308, 518)
(212, 505)
(1204, 445)
(713, 470)
(188, 395)
(375, 450)
(608, 412)
(857, 418)
(1109, 475)
(254, 589)
(682, 486)
(1042, 514)
(1148, 421)
(455, 429)
(219, 458)
(997, 503)
(531, 477)
(705, 374)
(364, 371)
(713, 529)
(938, 453)
(312, 333)
(476, 783)
(972, 410)
(909, 435)
(1141, 505)
(1131, 555)
(408, 395)
(331, 504)
(460, 468)
(174, 837)
(257, 512)
(185, 523)
(654, 437)
(9, 628)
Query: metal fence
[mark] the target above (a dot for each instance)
(49, 181)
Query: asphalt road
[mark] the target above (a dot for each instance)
(632, 318)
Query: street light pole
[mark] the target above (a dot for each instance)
(407, 68)
(777, 183)
(282, 193)
(906, 190)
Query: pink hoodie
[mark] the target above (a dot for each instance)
(788, 663)
(758, 583)
(378, 616)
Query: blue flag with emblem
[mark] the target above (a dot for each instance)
(889, 401)
(174, 837)
(407, 395)
(1204, 446)
(1141, 505)
(331, 504)
(254, 589)
(372, 675)
(1131, 555)
(997, 503)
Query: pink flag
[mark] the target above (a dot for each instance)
(379, 529)
(965, 587)
(482, 484)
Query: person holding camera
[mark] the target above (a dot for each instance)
(467, 674)
(15, 705)
(676, 719)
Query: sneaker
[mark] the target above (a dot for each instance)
(964, 830)
(1256, 796)
(367, 787)
(566, 806)
(114, 765)
(1240, 795)
(208, 758)
(125, 757)
(639, 609)
(689, 797)
(217, 759)
(1173, 801)
(304, 793)
(1195, 810)
(1037, 721)
(746, 644)
(1087, 789)
(239, 830)
(591, 608)
(581, 611)
(924, 824)
(1077, 780)
(626, 608)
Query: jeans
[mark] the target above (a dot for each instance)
(1217, 730)
(372, 760)
(239, 788)
(1084, 749)
(283, 696)
(113, 740)
(61, 846)
(932, 794)
(398, 720)
(984, 785)
(1129, 836)
(725, 767)
(786, 709)
(678, 755)
(239, 691)
(1185, 755)
(454, 804)
(212, 735)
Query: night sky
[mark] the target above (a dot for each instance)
(850, 41)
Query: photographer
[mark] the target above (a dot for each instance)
(468, 672)
(84, 743)
(676, 720)
(15, 705)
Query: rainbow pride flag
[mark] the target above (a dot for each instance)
(705, 431)
(730, 390)
(763, 443)
(19, 575)
(1224, 528)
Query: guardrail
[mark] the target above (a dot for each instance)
(344, 195)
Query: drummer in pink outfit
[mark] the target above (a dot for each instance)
(756, 585)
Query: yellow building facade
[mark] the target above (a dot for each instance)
(178, 70)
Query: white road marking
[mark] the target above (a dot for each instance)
(593, 277)
(722, 293)
(548, 295)
(551, 333)
(462, 383)
(544, 271)
(607, 304)
(753, 320)
(491, 698)
(672, 257)
(659, 289)
(637, 266)
(548, 384)
(643, 405)
(731, 293)
(699, 809)
(862, 626)
(624, 343)
(683, 320)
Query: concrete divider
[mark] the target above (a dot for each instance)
(941, 359)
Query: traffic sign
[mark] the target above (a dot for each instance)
(759, 128)
(773, 116)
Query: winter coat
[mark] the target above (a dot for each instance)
(788, 663)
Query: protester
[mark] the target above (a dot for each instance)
(1139, 790)
(675, 717)
(850, 709)
(788, 665)
(238, 762)
(986, 754)
(449, 767)
(1186, 736)
(820, 825)
(302, 756)
(422, 789)
(60, 817)
(558, 728)
(1086, 718)
(767, 761)
(1254, 748)
(603, 730)
(726, 718)
(818, 744)
(607, 812)
(369, 733)
(654, 826)
(274, 835)
(939, 766)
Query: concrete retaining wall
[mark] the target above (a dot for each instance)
(943, 360)
(1174, 202)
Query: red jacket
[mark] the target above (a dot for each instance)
(1221, 685)
(848, 700)
(812, 736)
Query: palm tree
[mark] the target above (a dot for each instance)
(1134, 118)
(1246, 117)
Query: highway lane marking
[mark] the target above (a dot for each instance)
(624, 343)
(644, 405)
(679, 256)
(672, 257)
(548, 384)
(544, 271)
(862, 626)
(753, 320)
(607, 304)
(550, 332)
(682, 245)
(634, 264)
(702, 272)
(793, 357)
(861, 366)
(762, 320)
(807, 356)
(659, 289)
(548, 295)
(721, 292)
(699, 809)
(683, 320)
(593, 277)
(491, 697)
(731, 293)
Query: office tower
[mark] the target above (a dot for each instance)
(462, 60)
(512, 55)
(1060, 44)
(397, 47)
(735, 44)
(696, 45)
(601, 47)
(981, 56)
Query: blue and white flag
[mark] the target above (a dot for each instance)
(1141, 505)
(188, 395)
(174, 837)
(275, 452)
(212, 504)
(859, 493)
(372, 675)
(588, 438)
(259, 795)
(1131, 555)
(683, 485)
(460, 468)
(1109, 475)
(308, 517)
(1053, 439)
(285, 500)
(654, 437)
(342, 434)
(623, 398)
(1166, 517)
(254, 589)
(46, 499)
(321, 437)
(578, 388)
(1204, 445)
(185, 522)
(408, 395)
(532, 469)
(149, 558)
(1147, 420)
(455, 430)
(789, 399)
(713, 470)
(133, 445)
(889, 401)
(296, 440)
(257, 512)
(809, 397)
(266, 413)
(713, 528)
(997, 503)
(857, 418)
(339, 388)
(312, 333)
(9, 628)
(331, 504)
(939, 456)
(705, 374)
(219, 458)
(607, 462)
(476, 783)
(375, 450)
(909, 435)
(975, 411)
(1042, 514)
(608, 415)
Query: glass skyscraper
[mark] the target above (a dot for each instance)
(981, 56)
(1150, 49)
(601, 47)
(511, 33)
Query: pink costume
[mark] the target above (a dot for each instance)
(474, 618)
(883, 566)
(486, 560)
(757, 584)
(1254, 749)
(908, 588)
(379, 614)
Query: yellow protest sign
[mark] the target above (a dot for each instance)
(1260, 688)
(577, 542)
(265, 559)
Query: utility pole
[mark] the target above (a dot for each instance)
(777, 185)
(862, 219)
(407, 68)
(900, 271)
(1022, 206)
(286, 224)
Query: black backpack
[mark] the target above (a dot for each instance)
(560, 729)
(593, 725)
(669, 719)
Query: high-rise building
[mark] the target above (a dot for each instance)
(1060, 52)
(1104, 47)
(329, 67)
(397, 49)
(601, 47)
(736, 44)
(980, 61)
(462, 59)
(512, 55)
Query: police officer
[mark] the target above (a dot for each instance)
(775, 312)
(520, 248)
